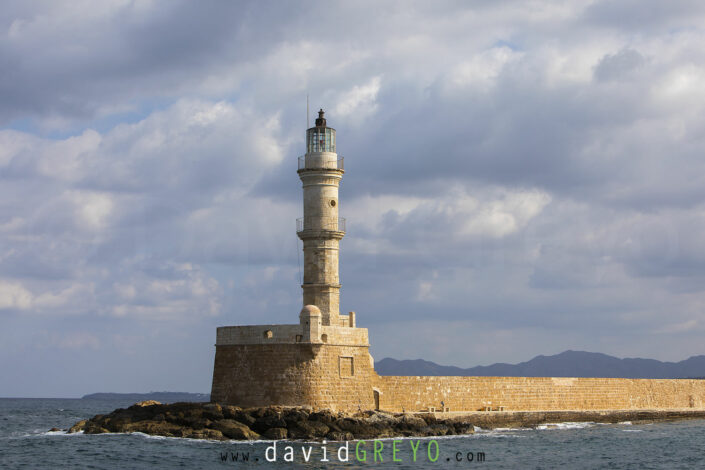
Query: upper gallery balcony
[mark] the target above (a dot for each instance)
(321, 161)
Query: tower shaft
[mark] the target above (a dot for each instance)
(321, 229)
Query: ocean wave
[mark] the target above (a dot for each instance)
(501, 433)
(39, 433)
(148, 436)
(567, 425)
(191, 439)
(60, 433)
(506, 429)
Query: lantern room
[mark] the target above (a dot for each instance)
(320, 138)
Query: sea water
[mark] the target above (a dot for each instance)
(25, 442)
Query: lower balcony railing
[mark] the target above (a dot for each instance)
(333, 224)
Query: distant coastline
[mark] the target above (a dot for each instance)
(164, 397)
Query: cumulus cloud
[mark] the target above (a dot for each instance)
(14, 296)
(360, 103)
(104, 209)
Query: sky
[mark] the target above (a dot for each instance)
(521, 178)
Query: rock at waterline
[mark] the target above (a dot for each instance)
(78, 426)
(147, 403)
(213, 421)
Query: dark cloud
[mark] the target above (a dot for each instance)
(649, 16)
(624, 63)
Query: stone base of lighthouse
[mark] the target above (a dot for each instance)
(270, 365)
(308, 364)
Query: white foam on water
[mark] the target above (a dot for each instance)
(568, 425)
(500, 433)
(508, 429)
(234, 441)
(146, 436)
(37, 433)
(190, 439)
(451, 436)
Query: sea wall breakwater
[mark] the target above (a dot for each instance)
(213, 421)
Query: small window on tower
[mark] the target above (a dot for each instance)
(332, 203)
(347, 368)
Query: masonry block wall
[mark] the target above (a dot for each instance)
(336, 377)
(537, 393)
(265, 365)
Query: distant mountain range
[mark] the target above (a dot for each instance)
(164, 397)
(565, 364)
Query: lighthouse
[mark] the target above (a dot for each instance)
(321, 228)
(323, 361)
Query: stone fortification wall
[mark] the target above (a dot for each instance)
(537, 393)
(340, 376)
(275, 334)
(330, 367)
(337, 377)
(258, 334)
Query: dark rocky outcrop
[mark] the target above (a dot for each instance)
(213, 421)
(80, 426)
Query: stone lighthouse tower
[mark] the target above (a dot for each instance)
(323, 361)
(320, 229)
